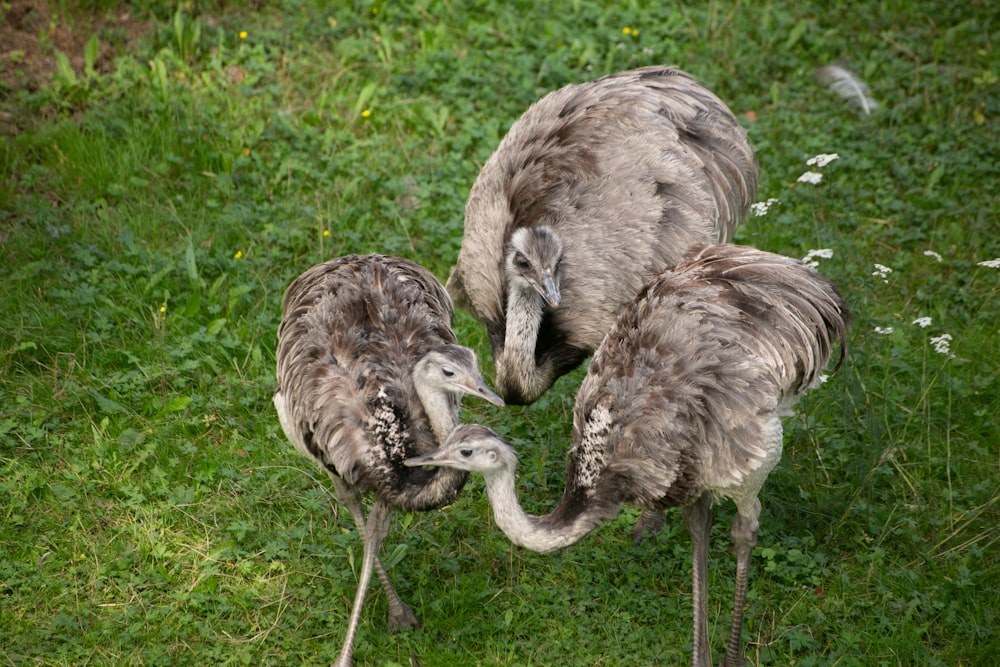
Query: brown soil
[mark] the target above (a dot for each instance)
(31, 31)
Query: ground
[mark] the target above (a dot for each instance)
(31, 31)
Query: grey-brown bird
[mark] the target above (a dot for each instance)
(593, 191)
(369, 374)
(681, 406)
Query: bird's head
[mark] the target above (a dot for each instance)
(472, 448)
(453, 369)
(533, 258)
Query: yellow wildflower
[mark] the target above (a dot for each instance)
(163, 308)
(243, 34)
(239, 254)
(366, 113)
(326, 232)
(626, 30)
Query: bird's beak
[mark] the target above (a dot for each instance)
(477, 387)
(426, 460)
(550, 290)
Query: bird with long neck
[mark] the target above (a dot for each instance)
(681, 406)
(369, 374)
(532, 267)
(603, 185)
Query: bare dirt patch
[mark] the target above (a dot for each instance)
(31, 31)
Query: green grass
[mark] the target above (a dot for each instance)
(151, 511)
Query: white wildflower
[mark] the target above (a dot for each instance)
(942, 345)
(990, 263)
(882, 271)
(762, 207)
(885, 331)
(931, 253)
(822, 160)
(922, 322)
(823, 253)
(812, 177)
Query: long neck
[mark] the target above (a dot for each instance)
(441, 408)
(422, 489)
(518, 375)
(545, 533)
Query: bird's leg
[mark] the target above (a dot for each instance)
(651, 521)
(698, 517)
(400, 613)
(374, 531)
(744, 534)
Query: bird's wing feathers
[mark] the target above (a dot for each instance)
(798, 314)
(351, 330)
(697, 367)
(634, 167)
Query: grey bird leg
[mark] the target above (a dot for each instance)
(650, 522)
(744, 535)
(698, 517)
(375, 530)
(400, 613)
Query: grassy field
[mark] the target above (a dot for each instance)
(151, 511)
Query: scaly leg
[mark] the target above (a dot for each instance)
(744, 534)
(698, 517)
(376, 529)
(400, 613)
(651, 521)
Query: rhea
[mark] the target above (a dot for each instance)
(681, 406)
(369, 374)
(594, 190)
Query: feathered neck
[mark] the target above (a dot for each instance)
(564, 526)
(441, 408)
(429, 489)
(520, 378)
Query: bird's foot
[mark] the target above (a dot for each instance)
(402, 617)
(649, 522)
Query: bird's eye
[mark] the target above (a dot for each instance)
(520, 261)
(466, 453)
(447, 372)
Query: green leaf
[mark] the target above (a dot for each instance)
(364, 96)
(192, 305)
(106, 404)
(795, 34)
(176, 404)
(933, 179)
(90, 52)
(190, 264)
(215, 326)
(65, 69)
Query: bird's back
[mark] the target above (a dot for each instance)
(351, 331)
(684, 394)
(630, 170)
